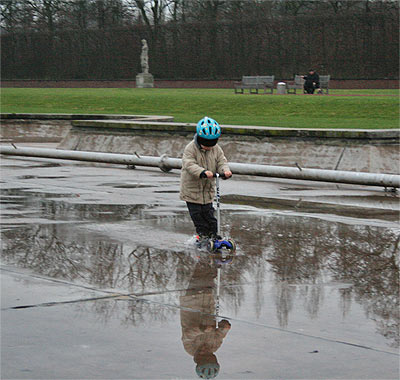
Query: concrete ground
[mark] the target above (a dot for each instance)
(100, 279)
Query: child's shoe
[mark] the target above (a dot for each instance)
(216, 237)
(201, 241)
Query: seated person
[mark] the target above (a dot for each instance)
(311, 82)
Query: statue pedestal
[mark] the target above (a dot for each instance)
(144, 80)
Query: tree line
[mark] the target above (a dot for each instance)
(199, 39)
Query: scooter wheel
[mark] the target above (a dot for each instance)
(233, 244)
(210, 246)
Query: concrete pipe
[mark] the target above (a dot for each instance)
(165, 163)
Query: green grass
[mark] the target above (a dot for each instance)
(189, 105)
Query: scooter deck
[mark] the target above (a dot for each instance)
(227, 245)
(214, 245)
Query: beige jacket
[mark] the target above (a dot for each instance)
(194, 161)
(200, 330)
(199, 327)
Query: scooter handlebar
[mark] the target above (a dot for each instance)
(219, 175)
(223, 176)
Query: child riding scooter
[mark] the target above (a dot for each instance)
(202, 159)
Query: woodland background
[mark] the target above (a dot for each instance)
(197, 39)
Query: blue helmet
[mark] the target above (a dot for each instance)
(208, 129)
(207, 371)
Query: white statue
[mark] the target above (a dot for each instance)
(144, 57)
(144, 79)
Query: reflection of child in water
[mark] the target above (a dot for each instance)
(201, 334)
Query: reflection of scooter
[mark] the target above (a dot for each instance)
(221, 257)
(218, 245)
(217, 297)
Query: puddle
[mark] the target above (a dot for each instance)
(126, 185)
(27, 193)
(300, 260)
(291, 268)
(385, 208)
(309, 280)
(132, 186)
(27, 177)
(52, 206)
(38, 165)
(41, 177)
(167, 191)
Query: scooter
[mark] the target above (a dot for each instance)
(220, 245)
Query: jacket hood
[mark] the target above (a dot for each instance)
(195, 141)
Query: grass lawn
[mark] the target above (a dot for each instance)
(375, 109)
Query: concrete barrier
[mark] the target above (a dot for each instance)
(340, 149)
(374, 151)
(51, 127)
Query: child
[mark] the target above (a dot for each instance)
(202, 158)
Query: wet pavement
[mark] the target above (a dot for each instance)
(99, 279)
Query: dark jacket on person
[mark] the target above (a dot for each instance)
(310, 79)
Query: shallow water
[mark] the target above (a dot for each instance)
(107, 249)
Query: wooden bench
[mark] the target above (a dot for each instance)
(324, 82)
(298, 84)
(255, 83)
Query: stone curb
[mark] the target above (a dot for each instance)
(149, 123)
(67, 116)
(260, 132)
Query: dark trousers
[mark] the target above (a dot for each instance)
(203, 218)
(309, 87)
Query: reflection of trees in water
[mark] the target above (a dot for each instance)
(42, 250)
(81, 211)
(297, 258)
(302, 254)
(372, 266)
(251, 266)
(144, 313)
(52, 251)
(293, 251)
(131, 311)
